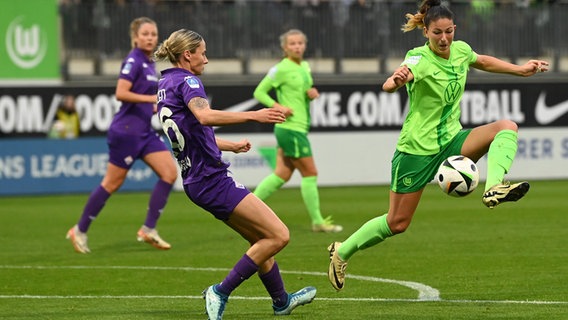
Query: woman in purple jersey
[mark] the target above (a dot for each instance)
(131, 137)
(187, 120)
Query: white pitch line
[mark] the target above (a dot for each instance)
(527, 302)
(425, 293)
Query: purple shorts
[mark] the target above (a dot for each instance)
(125, 149)
(219, 194)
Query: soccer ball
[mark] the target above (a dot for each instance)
(457, 176)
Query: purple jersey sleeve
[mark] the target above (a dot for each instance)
(135, 118)
(193, 144)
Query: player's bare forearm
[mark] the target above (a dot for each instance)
(496, 65)
(209, 117)
(399, 78)
(390, 85)
(236, 147)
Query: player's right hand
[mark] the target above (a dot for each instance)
(270, 115)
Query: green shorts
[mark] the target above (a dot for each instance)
(295, 144)
(411, 172)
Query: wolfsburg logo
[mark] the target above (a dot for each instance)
(26, 46)
(452, 92)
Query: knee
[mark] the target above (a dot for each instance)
(283, 174)
(111, 186)
(284, 238)
(310, 173)
(508, 125)
(399, 225)
(281, 239)
(168, 174)
(170, 177)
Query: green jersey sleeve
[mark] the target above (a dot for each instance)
(261, 93)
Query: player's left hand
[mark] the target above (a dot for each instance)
(242, 146)
(535, 66)
(312, 93)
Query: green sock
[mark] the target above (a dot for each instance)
(371, 233)
(268, 186)
(500, 157)
(310, 194)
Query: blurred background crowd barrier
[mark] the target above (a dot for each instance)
(345, 36)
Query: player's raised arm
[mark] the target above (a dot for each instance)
(210, 117)
(401, 76)
(496, 65)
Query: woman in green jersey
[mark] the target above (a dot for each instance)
(292, 81)
(435, 76)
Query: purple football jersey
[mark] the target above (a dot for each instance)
(135, 118)
(193, 144)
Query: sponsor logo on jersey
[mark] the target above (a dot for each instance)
(126, 69)
(412, 60)
(192, 82)
(452, 92)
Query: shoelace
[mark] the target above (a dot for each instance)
(342, 264)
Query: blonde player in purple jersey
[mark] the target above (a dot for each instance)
(435, 76)
(131, 137)
(187, 120)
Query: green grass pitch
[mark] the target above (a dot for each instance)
(507, 263)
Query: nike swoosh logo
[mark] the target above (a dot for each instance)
(243, 106)
(547, 114)
(337, 283)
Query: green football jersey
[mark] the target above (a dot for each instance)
(290, 81)
(434, 98)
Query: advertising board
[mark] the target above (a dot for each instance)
(30, 34)
(354, 133)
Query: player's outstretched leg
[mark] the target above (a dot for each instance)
(505, 192)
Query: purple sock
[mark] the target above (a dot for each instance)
(273, 283)
(157, 203)
(243, 270)
(94, 205)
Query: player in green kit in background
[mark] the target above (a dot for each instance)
(292, 80)
(435, 76)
